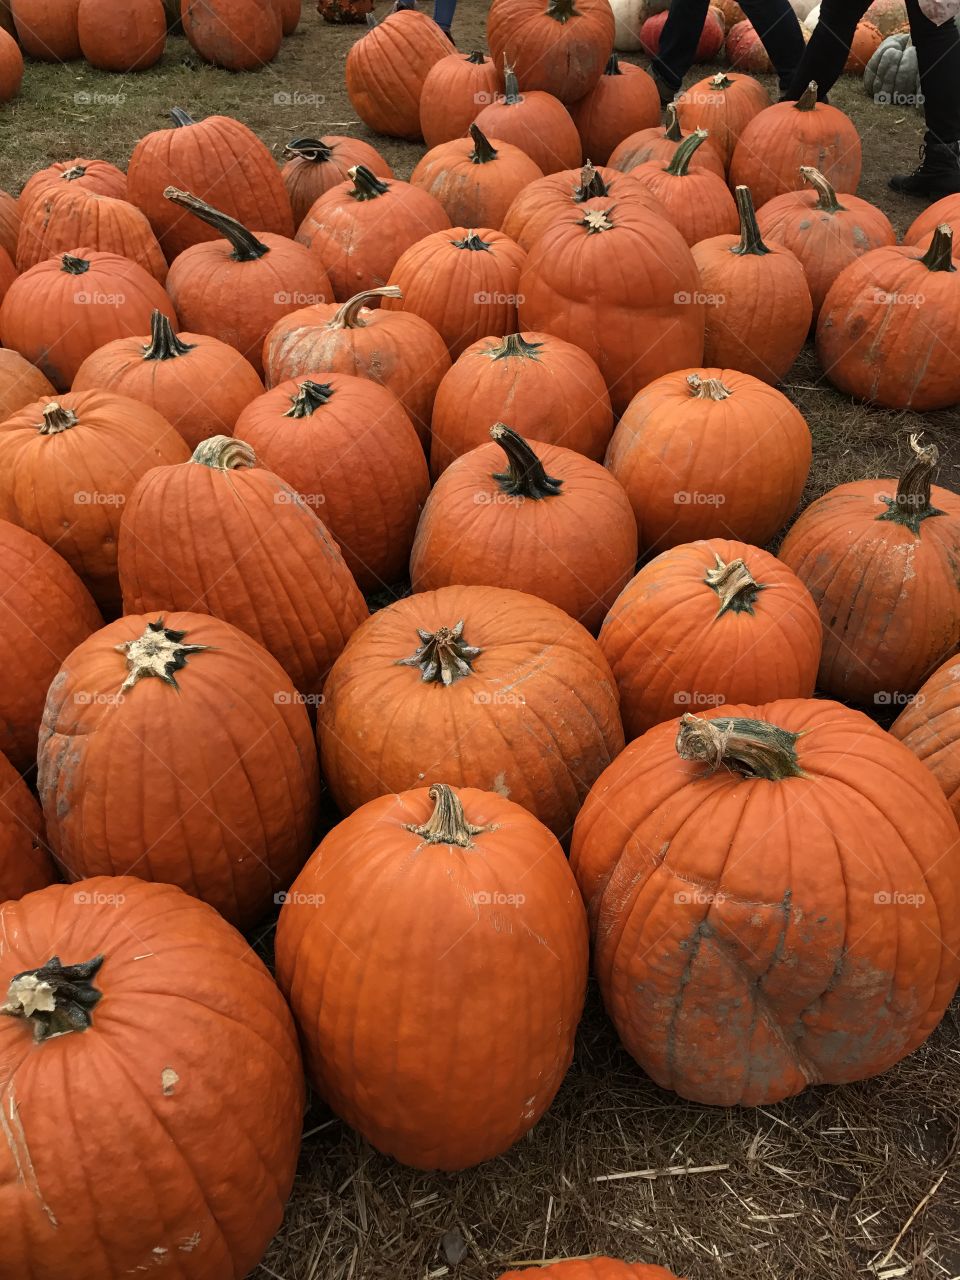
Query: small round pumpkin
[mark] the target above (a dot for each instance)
(488, 687)
(25, 862)
(357, 230)
(592, 1269)
(737, 624)
(879, 557)
(558, 46)
(455, 91)
(60, 218)
(196, 382)
(500, 931)
(20, 383)
(698, 204)
(536, 122)
(930, 727)
(723, 104)
(867, 39)
(386, 70)
(47, 29)
(475, 180)
(224, 535)
(317, 164)
(758, 881)
(538, 382)
(140, 691)
(238, 35)
(624, 100)
(945, 211)
(551, 523)
(130, 37)
(98, 177)
(127, 991)
(659, 145)
(347, 447)
(11, 67)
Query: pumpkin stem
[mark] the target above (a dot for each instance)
(310, 397)
(56, 419)
(562, 10)
(684, 153)
(808, 99)
(597, 220)
(55, 999)
(74, 172)
(735, 585)
(592, 185)
(514, 344)
(471, 241)
(74, 266)
(477, 57)
(442, 656)
(348, 316)
(224, 453)
(751, 748)
(751, 240)
(912, 504)
(164, 343)
(448, 823)
(511, 87)
(313, 149)
(525, 476)
(939, 257)
(159, 652)
(708, 388)
(180, 118)
(483, 149)
(671, 130)
(827, 201)
(246, 246)
(366, 184)
(721, 81)
(613, 66)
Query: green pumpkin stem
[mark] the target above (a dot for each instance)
(310, 397)
(246, 246)
(514, 344)
(313, 149)
(671, 130)
(751, 748)
(56, 419)
(164, 343)
(224, 453)
(181, 119)
(808, 99)
(472, 242)
(56, 998)
(751, 240)
(525, 476)
(827, 200)
(348, 316)
(74, 266)
(735, 586)
(680, 164)
(613, 66)
(708, 388)
(477, 57)
(443, 656)
(448, 823)
(591, 186)
(159, 652)
(366, 184)
(912, 503)
(939, 256)
(483, 149)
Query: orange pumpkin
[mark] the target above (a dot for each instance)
(9, 224)
(64, 308)
(127, 38)
(710, 927)
(560, 46)
(539, 383)
(358, 229)
(659, 145)
(623, 100)
(317, 164)
(197, 383)
(155, 988)
(20, 383)
(723, 105)
(352, 454)
(942, 211)
(745, 50)
(592, 1269)
(8, 273)
(97, 177)
(880, 557)
(698, 204)
(386, 70)
(11, 67)
(471, 684)
(455, 90)
(866, 41)
(239, 35)
(536, 122)
(758, 301)
(68, 468)
(737, 624)
(25, 863)
(555, 198)
(473, 180)
(140, 690)
(226, 536)
(463, 282)
(710, 453)
(58, 219)
(930, 727)
(394, 348)
(47, 29)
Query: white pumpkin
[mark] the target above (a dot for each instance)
(802, 8)
(812, 18)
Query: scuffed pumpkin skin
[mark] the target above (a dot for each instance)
(592, 1269)
(558, 47)
(239, 35)
(25, 864)
(754, 937)
(190, 1034)
(930, 727)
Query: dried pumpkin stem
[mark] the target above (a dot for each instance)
(74, 172)
(473, 242)
(827, 201)
(680, 164)
(310, 397)
(591, 186)
(180, 117)
(56, 998)
(483, 149)
(613, 66)
(477, 57)
(752, 748)
(912, 503)
(246, 246)
(721, 81)
(313, 149)
(808, 99)
(164, 343)
(56, 419)
(74, 266)
(511, 86)
(442, 656)
(348, 316)
(751, 240)
(562, 10)
(159, 652)
(224, 453)
(708, 388)
(366, 184)
(514, 344)
(597, 220)
(939, 256)
(671, 130)
(735, 585)
(448, 823)
(525, 476)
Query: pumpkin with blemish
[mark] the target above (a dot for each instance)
(624, 100)
(59, 218)
(930, 727)
(238, 35)
(159, 1020)
(478, 898)
(774, 900)
(723, 104)
(97, 177)
(47, 29)
(25, 863)
(20, 383)
(591, 1269)
(659, 145)
(536, 122)
(455, 91)
(485, 687)
(924, 224)
(317, 164)
(387, 67)
(697, 203)
(475, 180)
(560, 46)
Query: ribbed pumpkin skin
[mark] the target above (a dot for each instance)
(724, 105)
(539, 124)
(465, 293)
(592, 1269)
(563, 53)
(240, 35)
(494, 945)
(59, 218)
(250, 771)
(943, 211)
(97, 177)
(357, 241)
(306, 180)
(55, 319)
(8, 273)
(11, 67)
(472, 194)
(25, 864)
(9, 223)
(694, 467)
(221, 161)
(781, 139)
(386, 69)
(652, 146)
(20, 383)
(620, 103)
(187, 542)
(127, 38)
(455, 90)
(767, 649)
(47, 29)
(201, 1009)
(397, 349)
(888, 597)
(930, 727)
(381, 727)
(558, 197)
(697, 203)
(355, 460)
(744, 49)
(70, 488)
(755, 937)
(45, 611)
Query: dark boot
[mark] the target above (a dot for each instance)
(938, 173)
(666, 90)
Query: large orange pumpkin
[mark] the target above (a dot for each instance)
(773, 898)
(67, 468)
(707, 623)
(386, 70)
(239, 35)
(551, 523)
(880, 559)
(560, 46)
(930, 727)
(317, 164)
(141, 1001)
(942, 211)
(358, 229)
(475, 180)
(223, 163)
(536, 122)
(622, 285)
(490, 688)
(141, 690)
(591, 1269)
(20, 383)
(223, 535)
(546, 388)
(11, 67)
(395, 348)
(45, 611)
(130, 37)
(478, 899)
(623, 100)
(59, 218)
(723, 104)
(454, 92)
(463, 282)
(25, 862)
(658, 145)
(47, 29)
(696, 202)
(347, 447)
(98, 177)
(9, 223)
(710, 453)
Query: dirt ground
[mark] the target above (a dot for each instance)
(839, 1183)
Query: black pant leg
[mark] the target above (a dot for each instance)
(938, 56)
(679, 40)
(826, 54)
(779, 29)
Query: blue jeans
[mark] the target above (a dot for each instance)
(443, 11)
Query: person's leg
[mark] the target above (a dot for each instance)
(938, 56)
(826, 54)
(779, 30)
(443, 11)
(678, 45)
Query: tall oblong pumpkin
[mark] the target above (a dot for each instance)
(559, 46)
(386, 69)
